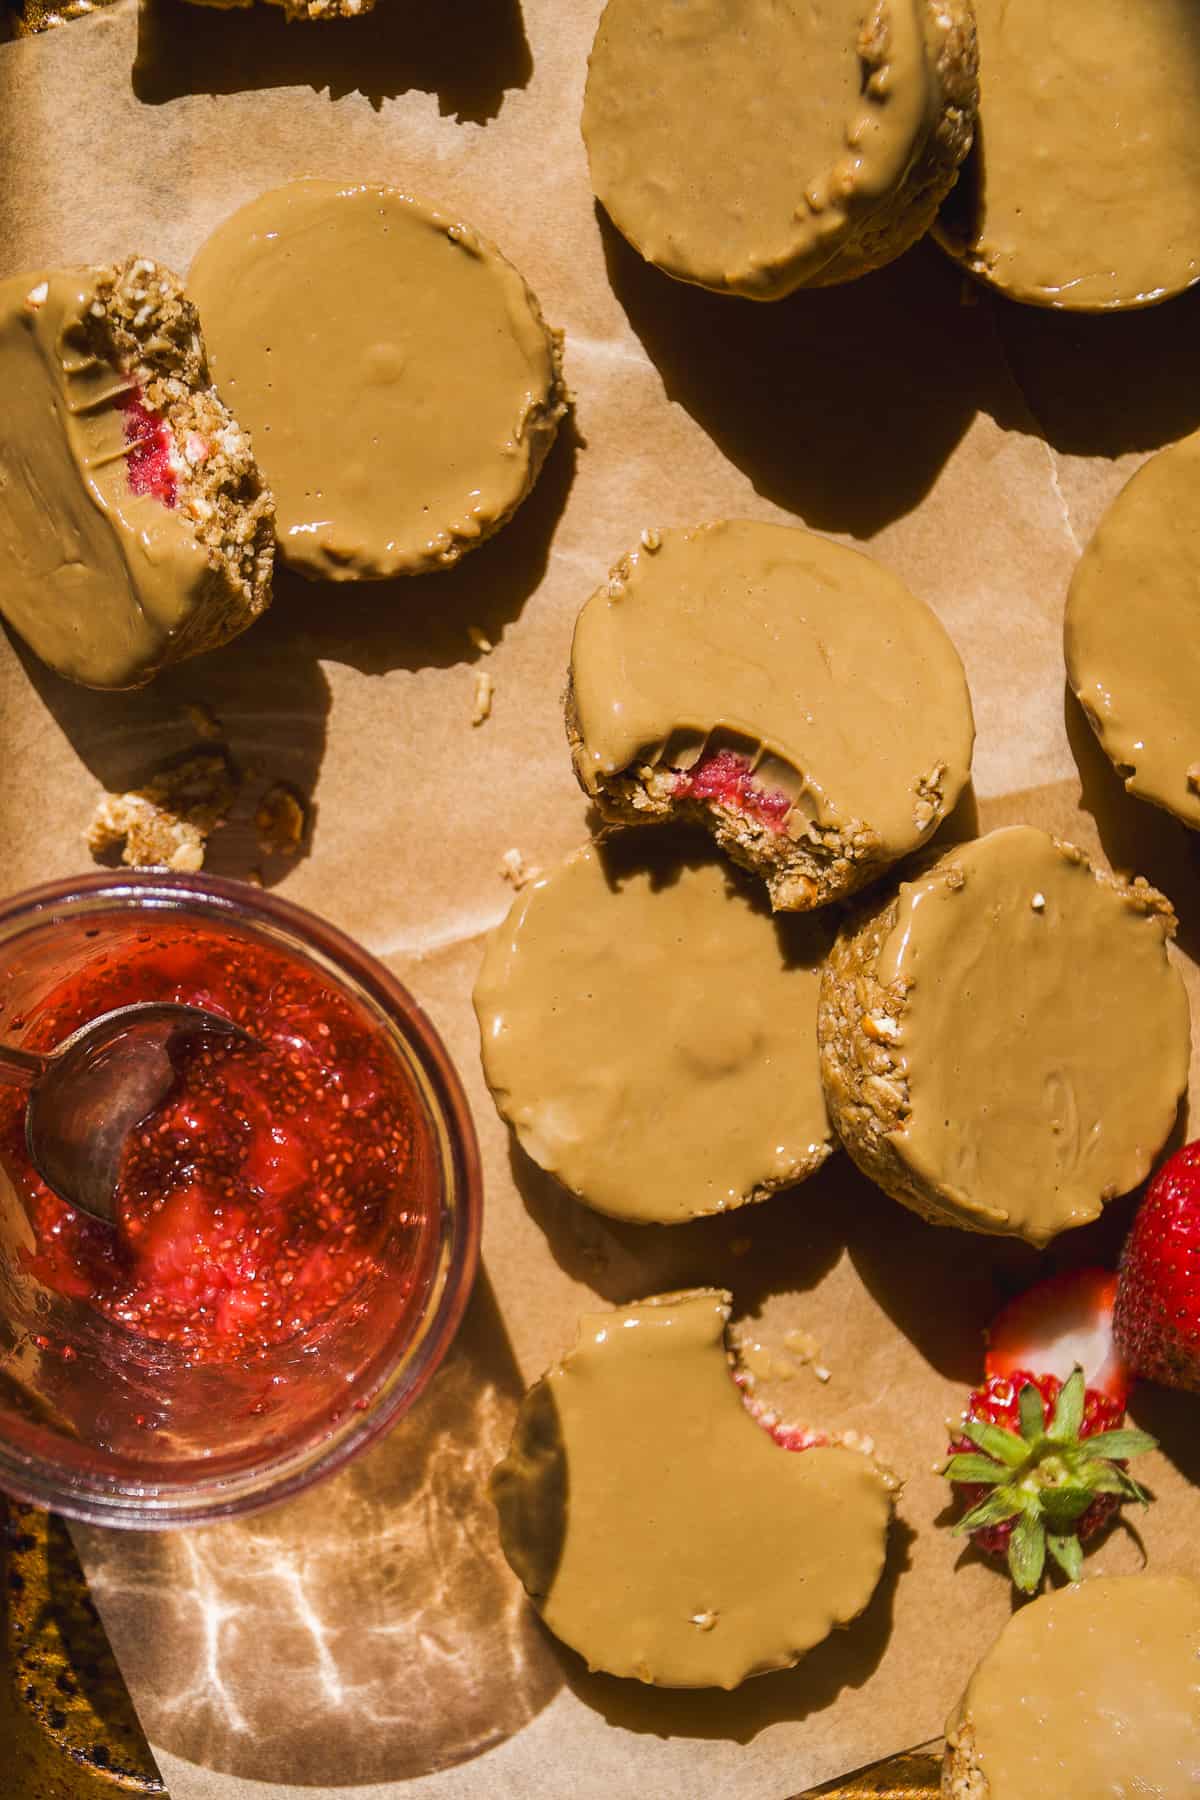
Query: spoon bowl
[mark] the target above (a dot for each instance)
(87, 1095)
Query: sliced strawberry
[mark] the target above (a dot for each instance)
(174, 1241)
(1158, 1292)
(278, 1161)
(998, 1403)
(1039, 1465)
(239, 1309)
(1062, 1324)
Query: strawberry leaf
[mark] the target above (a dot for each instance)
(1067, 1553)
(1107, 1478)
(1117, 1445)
(975, 1468)
(1068, 1413)
(993, 1510)
(1062, 1506)
(1027, 1551)
(1033, 1418)
(1004, 1445)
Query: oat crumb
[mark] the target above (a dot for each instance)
(485, 687)
(280, 821)
(203, 721)
(805, 1348)
(516, 870)
(166, 823)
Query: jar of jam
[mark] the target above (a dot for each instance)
(297, 1221)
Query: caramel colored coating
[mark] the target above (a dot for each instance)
(106, 585)
(1090, 1693)
(400, 380)
(752, 146)
(650, 1032)
(841, 686)
(1132, 632)
(1087, 191)
(1004, 1042)
(658, 1529)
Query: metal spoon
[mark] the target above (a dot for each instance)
(87, 1095)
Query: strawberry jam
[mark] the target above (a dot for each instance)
(148, 458)
(273, 1182)
(725, 779)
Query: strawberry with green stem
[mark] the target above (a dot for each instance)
(1157, 1317)
(1039, 1462)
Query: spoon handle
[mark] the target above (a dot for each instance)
(19, 1068)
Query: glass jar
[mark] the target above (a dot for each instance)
(102, 1423)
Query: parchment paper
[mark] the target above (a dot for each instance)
(368, 1640)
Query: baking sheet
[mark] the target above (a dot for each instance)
(368, 1639)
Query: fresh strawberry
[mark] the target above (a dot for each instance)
(1039, 1463)
(1062, 1324)
(1157, 1317)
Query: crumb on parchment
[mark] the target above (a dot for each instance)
(516, 870)
(485, 687)
(203, 721)
(280, 821)
(166, 823)
(805, 1348)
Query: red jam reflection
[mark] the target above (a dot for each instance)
(258, 1197)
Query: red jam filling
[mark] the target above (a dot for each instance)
(257, 1198)
(725, 779)
(148, 460)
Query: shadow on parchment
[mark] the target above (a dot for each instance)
(469, 53)
(1096, 384)
(422, 621)
(840, 404)
(846, 1659)
(960, 825)
(1105, 384)
(369, 1631)
(267, 689)
(787, 1242)
(1170, 1416)
(270, 700)
(1138, 839)
(939, 1287)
